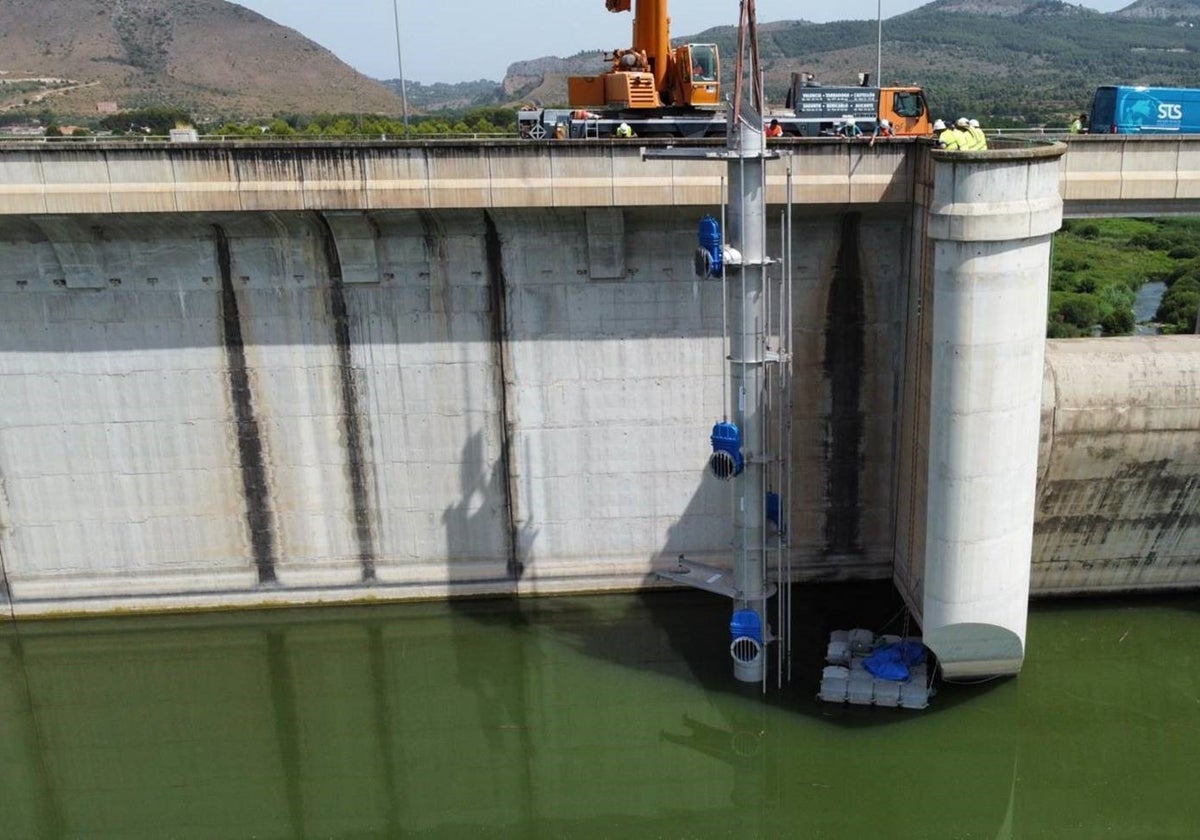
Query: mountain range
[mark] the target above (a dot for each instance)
(211, 57)
(1024, 60)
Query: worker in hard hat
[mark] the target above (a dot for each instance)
(883, 128)
(947, 138)
(624, 130)
(957, 138)
(977, 135)
(849, 128)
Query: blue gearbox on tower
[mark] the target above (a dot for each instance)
(726, 459)
(708, 256)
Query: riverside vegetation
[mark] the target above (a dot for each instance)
(1099, 264)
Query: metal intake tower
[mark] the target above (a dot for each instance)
(741, 441)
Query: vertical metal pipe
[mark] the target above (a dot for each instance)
(724, 299)
(785, 445)
(400, 66)
(781, 462)
(879, 44)
(747, 209)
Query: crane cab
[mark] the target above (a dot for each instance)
(697, 75)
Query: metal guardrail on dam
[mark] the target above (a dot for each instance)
(1100, 176)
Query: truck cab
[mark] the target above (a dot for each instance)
(819, 109)
(906, 109)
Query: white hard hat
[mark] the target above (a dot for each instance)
(961, 122)
(939, 126)
(885, 124)
(974, 123)
(850, 120)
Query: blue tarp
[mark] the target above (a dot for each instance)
(892, 662)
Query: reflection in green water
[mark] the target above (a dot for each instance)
(606, 716)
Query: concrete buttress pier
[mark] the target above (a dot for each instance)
(990, 220)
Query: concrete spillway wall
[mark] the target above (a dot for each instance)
(1118, 504)
(233, 409)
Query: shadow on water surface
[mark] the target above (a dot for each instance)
(684, 635)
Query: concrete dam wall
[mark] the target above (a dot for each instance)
(1118, 504)
(234, 409)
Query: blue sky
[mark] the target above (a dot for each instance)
(463, 40)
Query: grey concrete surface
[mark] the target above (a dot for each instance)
(204, 410)
(991, 217)
(242, 388)
(1118, 504)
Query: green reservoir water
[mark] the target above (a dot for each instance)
(602, 716)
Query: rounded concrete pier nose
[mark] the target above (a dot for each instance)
(972, 650)
(996, 195)
(991, 216)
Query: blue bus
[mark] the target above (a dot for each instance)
(1124, 109)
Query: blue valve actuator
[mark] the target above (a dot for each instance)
(709, 256)
(746, 624)
(726, 460)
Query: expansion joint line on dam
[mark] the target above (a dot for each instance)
(352, 419)
(6, 588)
(249, 435)
(497, 297)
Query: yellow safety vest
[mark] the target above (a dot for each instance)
(950, 140)
(980, 139)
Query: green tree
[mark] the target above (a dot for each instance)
(1177, 310)
(1118, 322)
(280, 128)
(148, 120)
(1078, 310)
(1057, 329)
